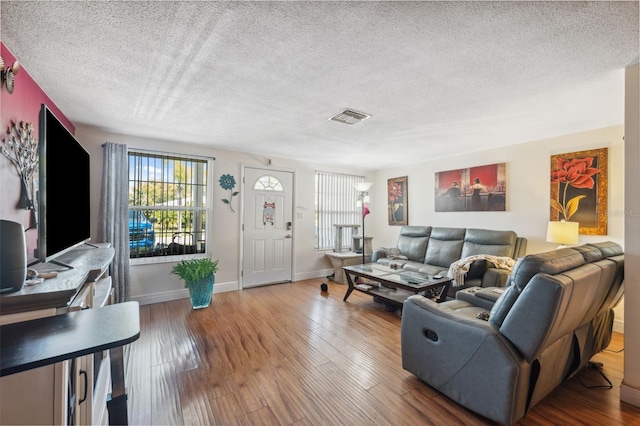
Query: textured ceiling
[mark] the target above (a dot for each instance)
(438, 78)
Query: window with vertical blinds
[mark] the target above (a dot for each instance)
(336, 203)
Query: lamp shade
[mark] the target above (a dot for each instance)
(362, 186)
(562, 232)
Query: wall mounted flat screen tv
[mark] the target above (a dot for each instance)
(63, 189)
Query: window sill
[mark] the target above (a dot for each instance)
(165, 259)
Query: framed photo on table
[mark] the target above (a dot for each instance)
(397, 201)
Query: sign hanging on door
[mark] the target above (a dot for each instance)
(269, 212)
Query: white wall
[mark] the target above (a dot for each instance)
(630, 389)
(154, 283)
(528, 170)
(528, 193)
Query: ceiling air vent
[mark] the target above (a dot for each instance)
(350, 116)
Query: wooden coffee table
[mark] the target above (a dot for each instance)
(395, 285)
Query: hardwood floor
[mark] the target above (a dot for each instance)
(289, 355)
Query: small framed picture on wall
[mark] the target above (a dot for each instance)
(397, 201)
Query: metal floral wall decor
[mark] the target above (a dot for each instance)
(397, 201)
(7, 75)
(228, 182)
(21, 148)
(579, 182)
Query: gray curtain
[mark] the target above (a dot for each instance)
(113, 227)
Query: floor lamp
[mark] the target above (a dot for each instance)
(363, 199)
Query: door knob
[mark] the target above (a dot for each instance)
(288, 236)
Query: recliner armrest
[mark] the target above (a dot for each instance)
(478, 296)
(490, 293)
(378, 253)
(495, 277)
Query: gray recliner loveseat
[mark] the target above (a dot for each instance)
(555, 313)
(432, 250)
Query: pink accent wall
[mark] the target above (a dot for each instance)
(22, 105)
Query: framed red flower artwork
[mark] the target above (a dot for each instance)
(397, 201)
(579, 182)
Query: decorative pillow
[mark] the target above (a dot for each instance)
(483, 315)
(398, 257)
(395, 253)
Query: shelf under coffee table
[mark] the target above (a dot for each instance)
(394, 286)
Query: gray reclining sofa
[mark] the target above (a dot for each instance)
(555, 313)
(432, 250)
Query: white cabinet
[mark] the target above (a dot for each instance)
(66, 392)
(97, 412)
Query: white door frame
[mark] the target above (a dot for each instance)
(293, 216)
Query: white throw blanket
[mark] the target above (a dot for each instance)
(394, 253)
(459, 268)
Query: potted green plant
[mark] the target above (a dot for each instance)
(198, 276)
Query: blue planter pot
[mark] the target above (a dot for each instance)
(201, 291)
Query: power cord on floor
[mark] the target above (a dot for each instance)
(615, 352)
(598, 367)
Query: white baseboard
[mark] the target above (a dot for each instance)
(618, 326)
(182, 293)
(166, 296)
(224, 287)
(630, 395)
(323, 273)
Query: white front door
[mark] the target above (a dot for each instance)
(267, 226)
